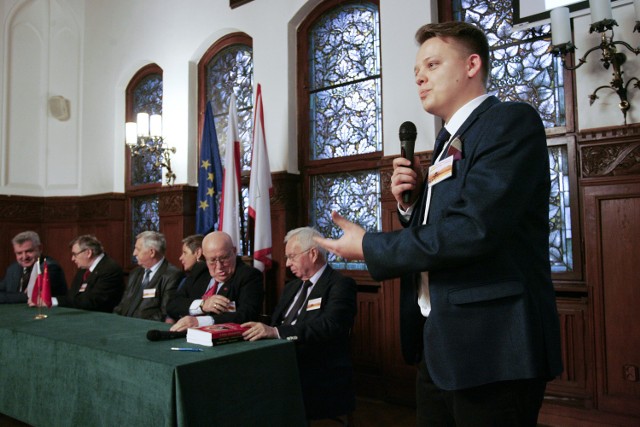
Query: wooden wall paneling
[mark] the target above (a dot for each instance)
(575, 384)
(177, 218)
(285, 216)
(367, 347)
(612, 245)
(58, 237)
(103, 216)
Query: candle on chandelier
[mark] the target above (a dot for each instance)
(560, 26)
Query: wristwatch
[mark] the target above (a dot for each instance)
(202, 306)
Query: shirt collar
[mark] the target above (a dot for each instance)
(95, 262)
(463, 114)
(314, 279)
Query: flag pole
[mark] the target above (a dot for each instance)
(38, 286)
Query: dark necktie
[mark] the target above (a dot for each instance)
(85, 275)
(24, 279)
(441, 140)
(137, 296)
(297, 305)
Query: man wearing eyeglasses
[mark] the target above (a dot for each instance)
(317, 312)
(98, 284)
(21, 276)
(233, 294)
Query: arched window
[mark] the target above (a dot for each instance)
(143, 178)
(523, 69)
(225, 69)
(340, 123)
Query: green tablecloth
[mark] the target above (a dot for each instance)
(81, 368)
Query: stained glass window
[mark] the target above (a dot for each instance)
(144, 95)
(345, 119)
(145, 216)
(147, 98)
(356, 196)
(227, 70)
(523, 69)
(560, 241)
(345, 83)
(231, 72)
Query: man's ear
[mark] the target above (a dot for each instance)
(474, 65)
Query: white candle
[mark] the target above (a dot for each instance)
(636, 6)
(155, 125)
(143, 124)
(600, 10)
(131, 133)
(560, 26)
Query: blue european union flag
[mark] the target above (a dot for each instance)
(209, 176)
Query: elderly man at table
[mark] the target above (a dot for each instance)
(151, 284)
(234, 292)
(98, 284)
(21, 276)
(317, 311)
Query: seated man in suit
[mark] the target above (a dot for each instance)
(316, 311)
(98, 284)
(151, 284)
(234, 293)
(21, 276)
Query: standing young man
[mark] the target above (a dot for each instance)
(478, 305)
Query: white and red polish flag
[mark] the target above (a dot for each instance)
(230, 200)
(260, 190)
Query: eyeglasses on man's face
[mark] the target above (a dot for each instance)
(75, 254)
(292, 257)
(222, 260)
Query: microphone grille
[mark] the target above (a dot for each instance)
(408, 131)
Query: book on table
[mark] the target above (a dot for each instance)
(221, 333)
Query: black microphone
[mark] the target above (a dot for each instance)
(156, 335)
(408, 135)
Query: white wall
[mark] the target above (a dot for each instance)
(605, 111)
(88, 50)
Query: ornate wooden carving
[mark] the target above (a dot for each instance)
(610, 159)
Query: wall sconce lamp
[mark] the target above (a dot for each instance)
(603, 23)
(144, 138)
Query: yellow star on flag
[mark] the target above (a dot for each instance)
(206, 164)
(210, 177)
(204, 204)
(210, 191)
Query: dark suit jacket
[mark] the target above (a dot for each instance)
(493, 312)
(103, 291)
(192, 289)
(10, 284)
(245, 288)
(165, 282)
(322, 343)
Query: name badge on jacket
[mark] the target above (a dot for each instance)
(314, 304)
(149, 293)
(440, 171)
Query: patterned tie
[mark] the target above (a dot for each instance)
(441, 139)
(24, 279)
(297, 305)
